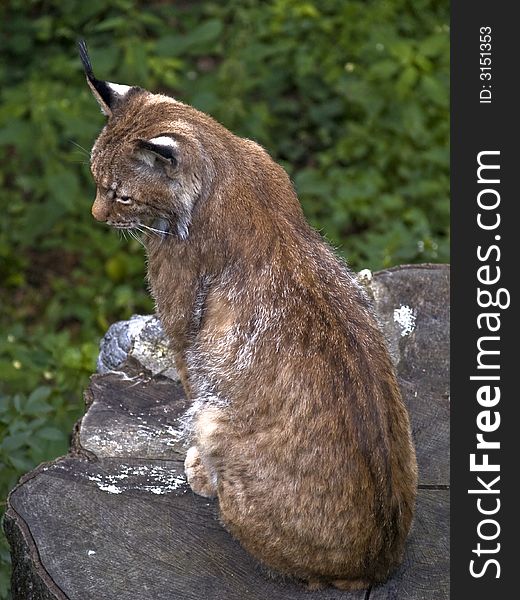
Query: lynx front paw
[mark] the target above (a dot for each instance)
(197, 475)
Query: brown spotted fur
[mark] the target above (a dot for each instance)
(300, 430)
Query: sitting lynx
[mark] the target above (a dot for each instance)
(299, 428)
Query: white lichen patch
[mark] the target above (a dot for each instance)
(103, 446)
(176, 435)
(153, 479)
(111, 489)
(151, 351)
(123, 376)
(131, 438)
(136, 325)
(405, 317)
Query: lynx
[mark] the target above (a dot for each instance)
(299, 428)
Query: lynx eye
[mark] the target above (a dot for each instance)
(124, 200)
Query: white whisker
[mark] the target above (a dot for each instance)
(84, 150)
(78, 162)
(138, 227)
(134, 235)
(157, 231)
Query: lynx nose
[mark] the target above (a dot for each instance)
(100, 208)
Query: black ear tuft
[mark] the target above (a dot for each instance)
(85, 59)
(107, 94)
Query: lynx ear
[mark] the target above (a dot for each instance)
(106, 93)
(163, 147)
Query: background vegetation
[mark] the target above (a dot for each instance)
(351, 96)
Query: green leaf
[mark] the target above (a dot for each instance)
(62, 185)
(114, 23)
(15, 441)
(115, 268)
(206, 33)
(21, 462)
(310, 181)
(384, 69)
(436, 91)
(37, 402)
(51, 434)
(402, 50)
(434, 45)
(407, 80)
(201, 37)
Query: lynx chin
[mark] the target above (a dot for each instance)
(298, 426)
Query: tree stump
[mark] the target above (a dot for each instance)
(115, 519)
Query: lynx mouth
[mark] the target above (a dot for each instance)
(123, 224)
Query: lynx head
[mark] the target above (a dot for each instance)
(154, 160)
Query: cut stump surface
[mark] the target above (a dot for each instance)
(116, 520)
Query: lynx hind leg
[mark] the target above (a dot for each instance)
(197, 475)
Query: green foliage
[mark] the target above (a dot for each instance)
(351, 96)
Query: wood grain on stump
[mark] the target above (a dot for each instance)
(115, 519)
